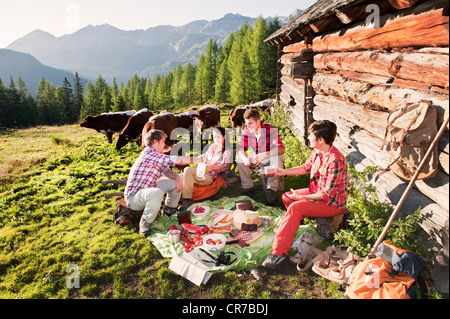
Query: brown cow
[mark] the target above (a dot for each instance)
(133, 130)
(107, 123)
(164, 121)
(208, 116)
(184, 120)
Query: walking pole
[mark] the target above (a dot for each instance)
(408, 189)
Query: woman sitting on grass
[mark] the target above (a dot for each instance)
(326, 195)
(217, 159)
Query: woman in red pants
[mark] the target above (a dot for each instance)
(326, 195)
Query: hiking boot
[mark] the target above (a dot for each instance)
(271, 197)
(247, 191)
(144, 227)
(273, 261)
(169, 211)
(187, 202)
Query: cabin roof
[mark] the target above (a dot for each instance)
(318, 11)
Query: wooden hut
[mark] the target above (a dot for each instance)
(352, 61)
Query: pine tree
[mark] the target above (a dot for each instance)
(259, 56)
(176, 87)
(187, 85)
(77, 97)
(242, 73)
(200, 81)
(222, 92)
(210, 69)
(66, 99)
(91, 101)
(119, 104)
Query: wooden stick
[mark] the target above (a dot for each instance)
(408, 189)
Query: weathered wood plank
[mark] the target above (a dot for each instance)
(359, 129)
(424, 25)
(431, 69)
(375, 94)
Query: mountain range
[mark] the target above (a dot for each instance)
(111, 52)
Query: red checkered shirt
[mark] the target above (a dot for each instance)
(269, 140)
(146, 170)
(328, 174)
(214, 156)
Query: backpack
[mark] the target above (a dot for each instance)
(410, 131)
(392, 273)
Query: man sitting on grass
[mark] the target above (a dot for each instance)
(146, 188)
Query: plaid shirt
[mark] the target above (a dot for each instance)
(328, 174)
(269, 140)
(146, 170)
(214, 156)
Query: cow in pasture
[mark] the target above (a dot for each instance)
(133, 130)
(208, 116)
(107, 123)
(184, 120)
(164, 121)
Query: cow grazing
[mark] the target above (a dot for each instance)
(133, 130)
(107, 123)
(184, 120)
(164, 121)
(208, 116)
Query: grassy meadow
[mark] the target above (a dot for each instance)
(53, 217)
(55, 222)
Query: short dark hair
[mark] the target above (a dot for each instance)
(324, 129)
(252, 113)
(154, 135)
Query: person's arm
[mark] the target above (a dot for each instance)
(184, 160)
(299, 170)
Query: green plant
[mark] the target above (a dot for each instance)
(368, 217)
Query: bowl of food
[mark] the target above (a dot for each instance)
(214, 242)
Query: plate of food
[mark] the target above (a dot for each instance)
(200, 211)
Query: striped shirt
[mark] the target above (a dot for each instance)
(146, 170)
(328, 174)
(269, 140)
(214, 156)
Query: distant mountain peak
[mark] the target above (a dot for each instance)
(111, 52)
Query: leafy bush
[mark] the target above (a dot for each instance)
(368, 218)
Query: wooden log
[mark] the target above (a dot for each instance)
(423, 25)
(124, 215)
(402, 4)
(430, 69)
(361, 134)
(356, 88)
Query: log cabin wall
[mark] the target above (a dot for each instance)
(346, 67)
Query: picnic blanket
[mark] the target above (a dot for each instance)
(247, 257)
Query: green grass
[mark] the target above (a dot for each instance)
(53, 214)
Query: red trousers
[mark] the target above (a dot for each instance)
(296, 211)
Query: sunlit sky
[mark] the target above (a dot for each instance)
(59, 17)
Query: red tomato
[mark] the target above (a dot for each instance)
(187, 244)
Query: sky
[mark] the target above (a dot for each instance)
(59, 17)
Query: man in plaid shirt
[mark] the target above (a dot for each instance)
(146, 187)
(326, 195)
(268, 150)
